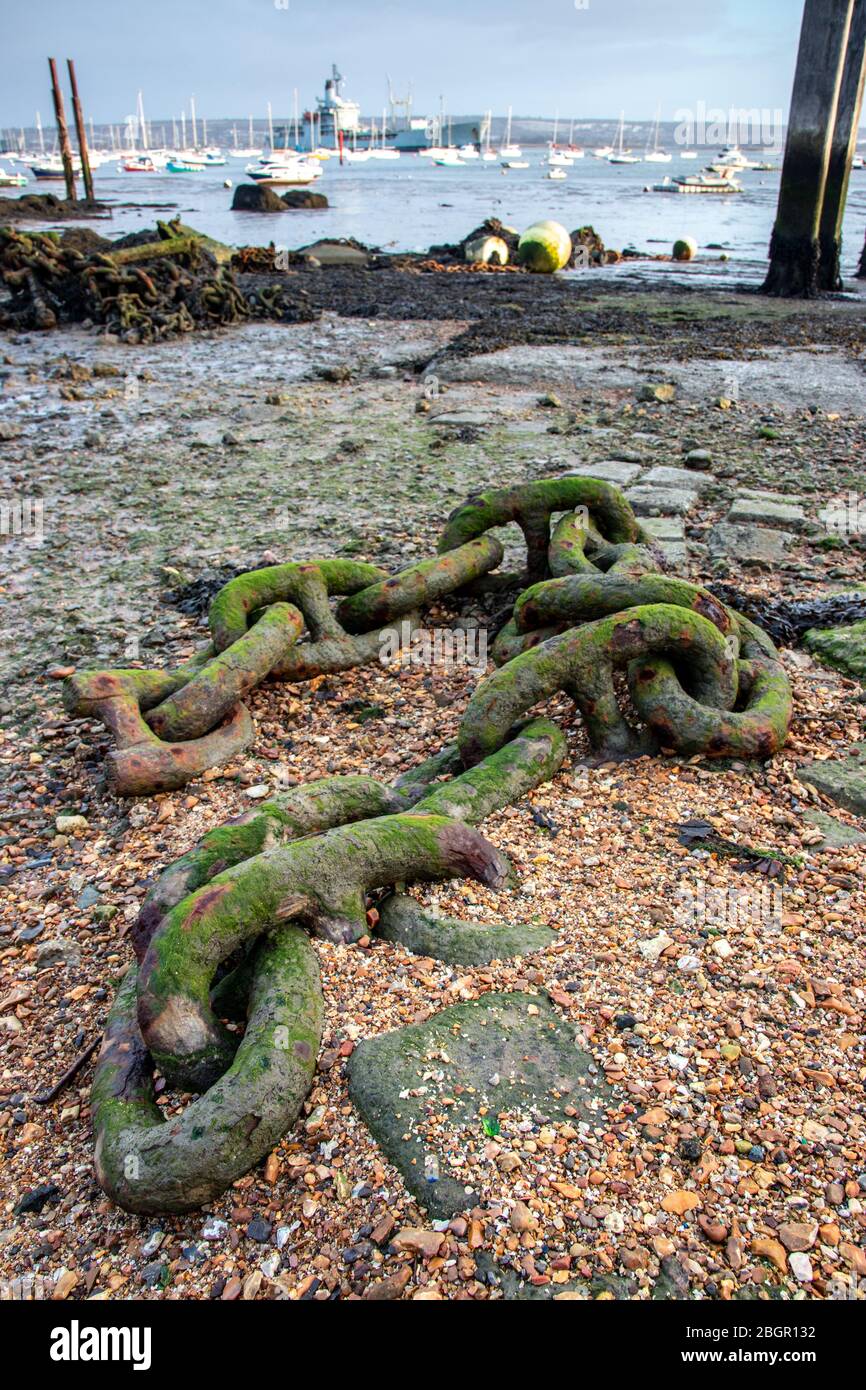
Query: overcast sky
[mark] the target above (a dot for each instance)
(581, 57)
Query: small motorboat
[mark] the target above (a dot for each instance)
(515, 164)
(53, 168)
(186, 166)
(283, 173)
(138, 164)
(707, 182)
(556, 174)
(12, 180)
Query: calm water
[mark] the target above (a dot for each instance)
(411, 204)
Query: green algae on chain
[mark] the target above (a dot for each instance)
(148, 1164)
(305, 810)
(307, 584)
(582, 661)
(404, 922)
(218, 686)
(532, 505)
(319, 882)
(419, 585)
(757, 731)
(533, 754)
(329, 655)
(581, 598)
(142, 763)
(576, 547)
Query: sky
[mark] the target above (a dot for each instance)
(582, 58)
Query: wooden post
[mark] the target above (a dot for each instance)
(794, 248)
(842, 151)
(62, 131)
(82, 133)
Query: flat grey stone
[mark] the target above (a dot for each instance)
(666, 528)
(609, 471)
(844, 782)
(657, 501)
(843, 648)
(399, 1078)
(747, 511)
(665, 476)
(406, 923)
(462, 417)
(750, 545)
(761, 494)
(836, 834)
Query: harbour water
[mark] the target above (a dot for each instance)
(410, 204)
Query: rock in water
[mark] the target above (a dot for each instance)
(303, 198)
(685, 249)
(254, 197)
(512, 1052)
(545, 247)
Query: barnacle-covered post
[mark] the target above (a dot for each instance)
(842, 152)
(794, 248)
(62, 132)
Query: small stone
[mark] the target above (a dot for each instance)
(699, 459)
(418, 1241)
(259, 1230)
(801, 1268)
(214, 1229)
(664, 393)
(690, 1149)
(152, 1244)
(798, 1235)
(764, 1247)
(71, 825)
(713, 1229)
(522, 1219)
(680, 1202)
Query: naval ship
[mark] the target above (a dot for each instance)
(336, 114)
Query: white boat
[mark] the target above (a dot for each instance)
(558, 160)
(732, 157)
(515, 163)
(556, 174)
(448, 159)
(657, 155)
(603, 152)
(575, 152)
(12, 180)
(52, 167)
(706, 182)
(509, 150)
(356, 156)
(284, 172)
(621, 155)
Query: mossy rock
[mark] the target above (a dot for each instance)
(843, 648)
(836, 834)
(843, 782)
(536, 1057)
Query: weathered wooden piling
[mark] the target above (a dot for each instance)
(62, 132)
(81, 132)
(842, 151)
(795, 244)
